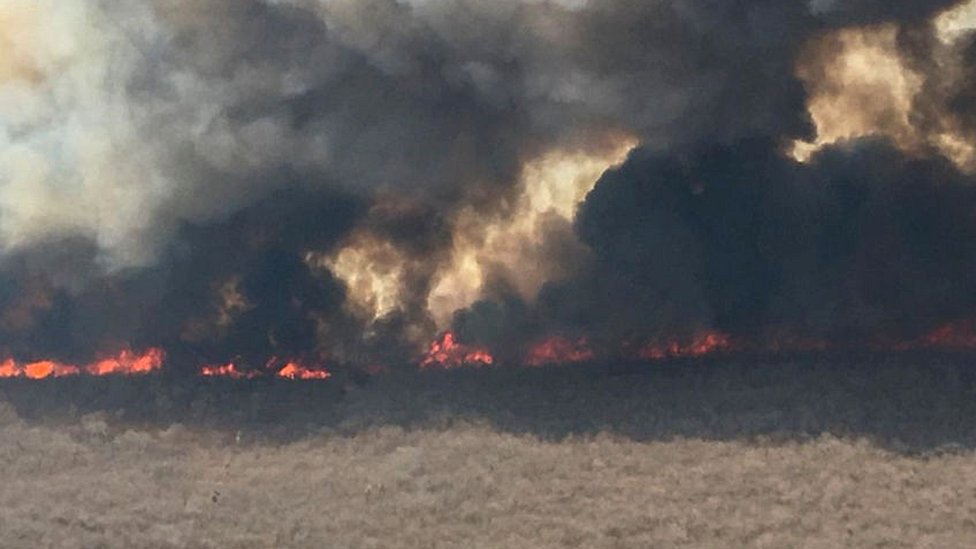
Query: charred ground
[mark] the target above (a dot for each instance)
(906, 402)
(851, 450)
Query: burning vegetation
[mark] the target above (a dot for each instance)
(447, 353)
(559, 350)
(292, 369)
(702, 345)
(640, 181)
(125, 363)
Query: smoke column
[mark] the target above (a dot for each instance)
(343, 180)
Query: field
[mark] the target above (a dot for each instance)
(804, 451)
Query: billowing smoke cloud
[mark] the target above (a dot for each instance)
(861, 240)
(860, 243)
(188, 173)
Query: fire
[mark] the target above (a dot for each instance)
(128, 362)
(8, 368)
(226, 370)
(292, 369)
(559, 350)
(124, 363)
(701, 345)
(49, 368)
(445, 352)
(956, 335)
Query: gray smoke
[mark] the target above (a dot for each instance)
(150, 151)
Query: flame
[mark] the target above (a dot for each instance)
(701, 345)
(49, 368)
(446, 353)
(128, 362)
(292, 369)
(124, 363)
(228, 370)
(559, 350)
(955, 335)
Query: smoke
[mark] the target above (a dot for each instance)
(337, 178)
(861, 240)
(859, 244)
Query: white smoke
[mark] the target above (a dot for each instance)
(119, 122)
(71, 158)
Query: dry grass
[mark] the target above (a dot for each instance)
(696, 457)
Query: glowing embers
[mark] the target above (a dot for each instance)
(292, 369)
(701, 345)
(129, 363)
(124, 363)
(956, 335)
(446, 353)
(559, 350)
(229, 371)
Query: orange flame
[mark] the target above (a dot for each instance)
(294, 370)
(445, 352)
(49, 368)
(955, 335)
(125, 363)
(559, 350)
(703, 344)
(128, 362)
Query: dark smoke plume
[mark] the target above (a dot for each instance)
(860, 240)
(166, 180)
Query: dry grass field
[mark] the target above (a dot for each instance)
(790, 452)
